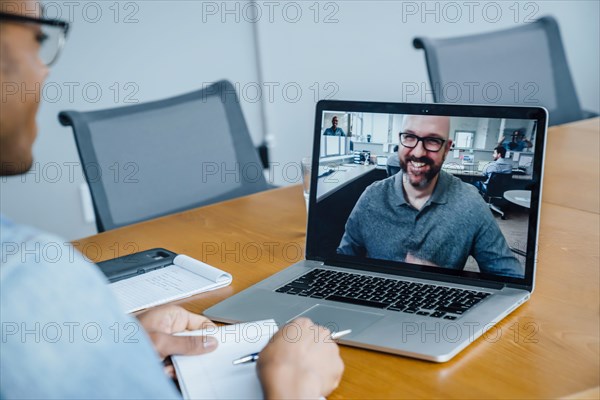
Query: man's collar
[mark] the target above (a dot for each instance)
(399, 189)
(440, 192)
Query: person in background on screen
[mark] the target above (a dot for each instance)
(499, 166)
(393, 163)
(64, 334)
(517, 142)
(334, 130)
(423, 215)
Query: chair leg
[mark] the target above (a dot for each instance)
(263, 154)
(498, 210)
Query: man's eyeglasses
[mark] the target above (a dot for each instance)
(429, 143)
(51, 38)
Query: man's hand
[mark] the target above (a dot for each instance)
(162, 322)
(300, 362)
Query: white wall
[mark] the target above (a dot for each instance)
(168, 51)
(364, 53)
(368, 54)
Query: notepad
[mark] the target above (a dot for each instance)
(185, 277)
(213, 375)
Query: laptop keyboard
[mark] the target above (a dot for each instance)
(390, 294)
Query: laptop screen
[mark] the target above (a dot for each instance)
(446, 189)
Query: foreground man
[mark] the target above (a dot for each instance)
(63, 333)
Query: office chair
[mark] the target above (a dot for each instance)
(498, 184)
(524, 65)
(148, 160)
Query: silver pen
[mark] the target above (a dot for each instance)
(254, 356)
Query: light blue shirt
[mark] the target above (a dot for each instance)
(500, 166)
(63, 333)
(336, 132)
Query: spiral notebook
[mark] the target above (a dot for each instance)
(184, 278)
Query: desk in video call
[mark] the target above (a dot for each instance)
(519, 181)
(343, 175)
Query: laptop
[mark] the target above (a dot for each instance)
(422, 280)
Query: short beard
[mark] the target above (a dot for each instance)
(429, 175)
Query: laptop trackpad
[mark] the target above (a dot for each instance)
(338, 318)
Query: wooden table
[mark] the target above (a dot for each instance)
(548, 348)
(572, 167)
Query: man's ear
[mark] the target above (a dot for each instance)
(447, 148)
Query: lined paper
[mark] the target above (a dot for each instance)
(186, 277)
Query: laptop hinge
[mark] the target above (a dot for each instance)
(419, 274)
(520, 287)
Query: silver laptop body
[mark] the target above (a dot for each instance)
(376, 323)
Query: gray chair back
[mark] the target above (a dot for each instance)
(148, 160)
(498, 184)
(524, 65)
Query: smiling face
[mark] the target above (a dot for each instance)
(421, 166)
(334, 122)
(21, 77)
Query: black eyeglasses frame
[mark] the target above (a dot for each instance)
(41, 21)
(420, 139)
(23, 19)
